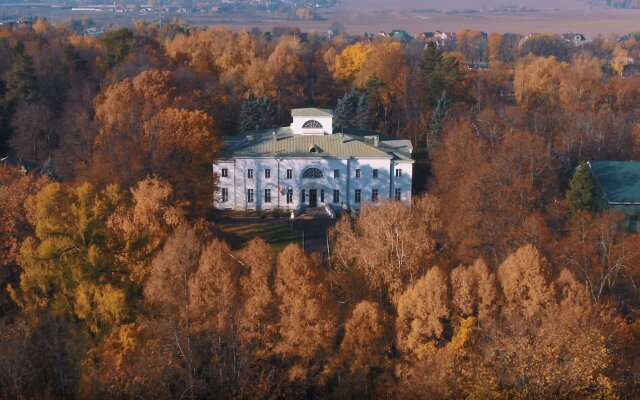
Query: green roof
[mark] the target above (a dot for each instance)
(283, 143)
(620, 180)
(311, 112)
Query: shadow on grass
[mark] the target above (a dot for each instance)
(278, 234)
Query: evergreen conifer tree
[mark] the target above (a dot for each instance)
(258, 113)
(439, 74)
(579, 196)
(352, 109)
(21, 79)
(249, 115)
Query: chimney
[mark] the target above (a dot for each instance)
(274, 135)
(376, 138)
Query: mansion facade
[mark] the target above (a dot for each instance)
(309, 164)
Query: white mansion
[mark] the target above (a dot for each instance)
(308, 164)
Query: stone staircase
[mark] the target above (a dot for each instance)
(313, 213)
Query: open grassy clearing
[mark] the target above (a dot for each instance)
(277, 233)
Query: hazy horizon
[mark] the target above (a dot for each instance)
(414, 16)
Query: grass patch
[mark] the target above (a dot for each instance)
(278, 235)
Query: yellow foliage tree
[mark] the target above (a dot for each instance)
(350, 62)
(537, 80)
(422, 310)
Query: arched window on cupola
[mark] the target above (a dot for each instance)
(312, 124)
(313, 173)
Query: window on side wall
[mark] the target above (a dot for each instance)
(289, 196)
(374, 194)
(249, 195)
(225, 195)
(336, 196)
(375, 173)
(336, 173)
(289, 173)
(398, 173)
(267, 173)
(250, 173)
(398, 194)
(224, 172)
(357, 173)
(358, 196)
(267, 195)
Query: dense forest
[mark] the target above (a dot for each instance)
(500, 281)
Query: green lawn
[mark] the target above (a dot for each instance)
(278, 235)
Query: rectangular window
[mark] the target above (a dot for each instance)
(224, 173)
(336, 196)
(375, 173)
(250, 173)
(225, 195)
(289, 173)
(374, 194)
(267, 195)
(398, 173)
(398, 194)
(302, 195)
(357, 173)
(289, 196)
(321, 195)
(249, 195)
(336, 173)
(267, 173)
(358, 195)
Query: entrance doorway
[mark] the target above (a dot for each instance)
(313, 198)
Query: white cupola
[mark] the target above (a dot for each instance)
(312, 121)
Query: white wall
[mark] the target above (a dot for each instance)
(366, 183)
(327, 125)
(403, 182)
(238, 183)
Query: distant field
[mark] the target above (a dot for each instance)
(414, 16)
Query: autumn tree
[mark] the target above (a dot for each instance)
(537, 81)
(502, 48)
(168, 290)
(544, 45)
(422, 312)
(71, 264)
(510, 175)
(363, 361)
(34, 138)
(620, 60)
(602, 257)
(307, 320)
(471, 44)
(350, 62)
(474, 291)
(524, 277)
(15, 188)
(145, 131)
(286, 73)
(553, 345)
(390, 244)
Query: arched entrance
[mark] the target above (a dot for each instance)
(313, 184)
